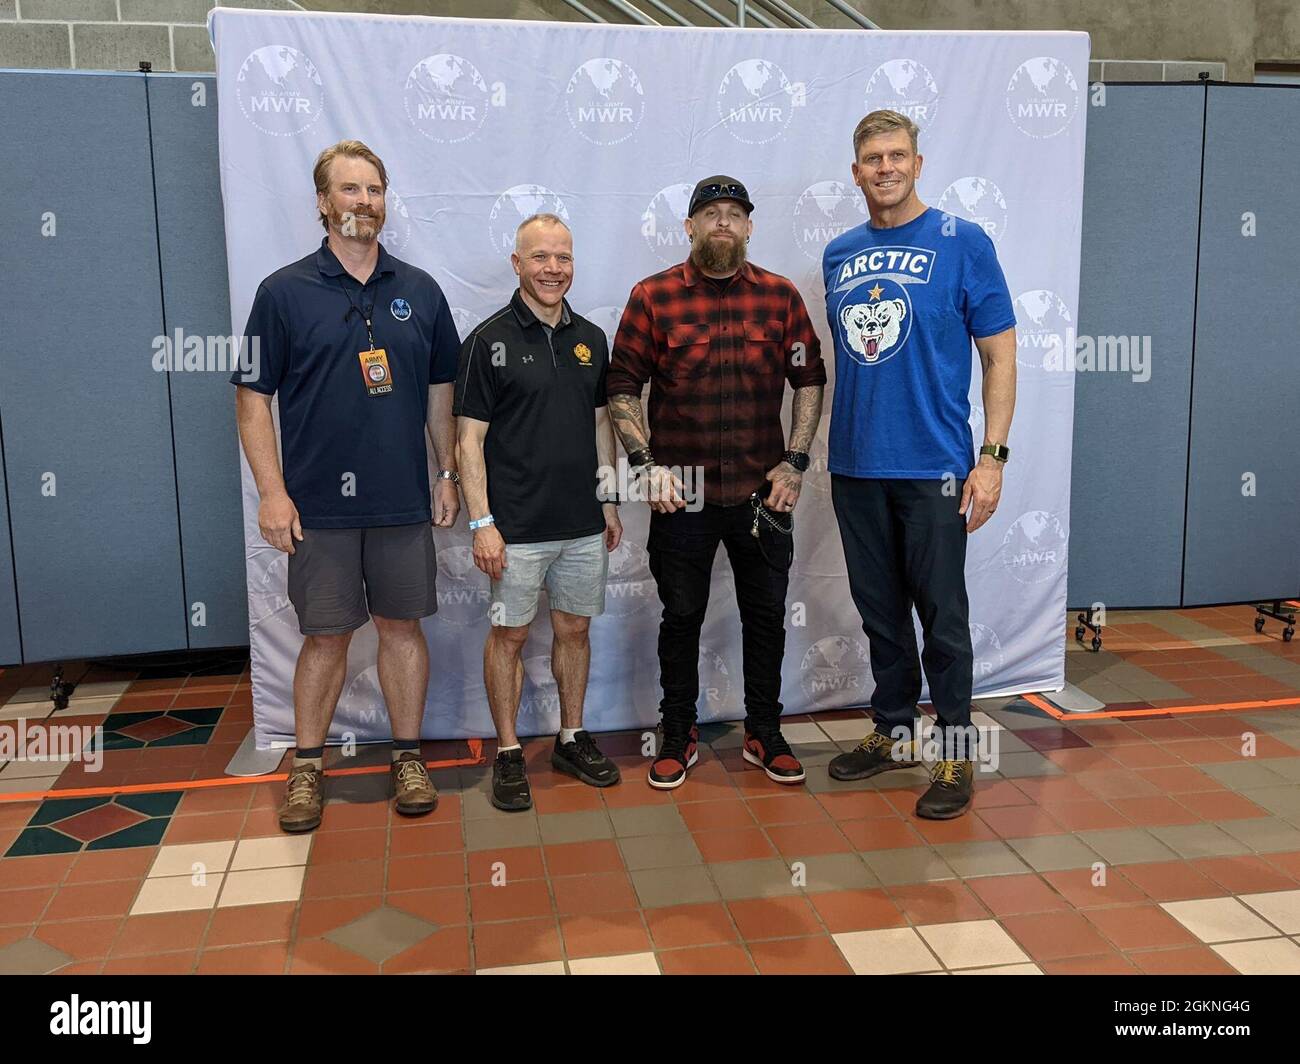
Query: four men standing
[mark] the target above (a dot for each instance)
(717, 339)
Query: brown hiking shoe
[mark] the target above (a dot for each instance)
(416, 794)
(302, 799)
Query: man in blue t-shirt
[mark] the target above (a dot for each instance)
(361, 350)
(906, 293)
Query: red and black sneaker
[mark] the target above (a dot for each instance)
(770, 752)
(677, 753)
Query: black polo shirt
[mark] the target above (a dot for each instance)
(538, 389)
(352, 459)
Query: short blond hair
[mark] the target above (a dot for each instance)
(542, 218)
(354, 149)
(878, 122)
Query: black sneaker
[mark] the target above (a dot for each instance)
(510, 790)
(581, 758)
(677, 753)
(872, 756)
(952, 789)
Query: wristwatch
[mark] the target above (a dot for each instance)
(798, 459)
(1000, 451)
(448, 474)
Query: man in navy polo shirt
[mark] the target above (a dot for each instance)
(361, 349)
(906, 293)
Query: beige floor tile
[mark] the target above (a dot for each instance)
(1004, 969)
(180, 860)
(890, 951)
(971, 943)
(259, 886)
(803, 732)
(625, 964)
(1272, 956)
(274, 851)
(169, 894)
(1279, 907)
(1218, 919)
(25, 784)
(14, 770)
(847, 731)
(544, 968)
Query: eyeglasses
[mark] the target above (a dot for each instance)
(709, 192)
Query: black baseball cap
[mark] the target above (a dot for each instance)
(718, 187)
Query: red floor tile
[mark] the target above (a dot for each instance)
(268, 959)
(318, 917)
(733, 844)
(175, 963)
(205, 827)
(81, 940)
(160, 933)
(331, 847)
(1221, 805)
(87, 900)
(446, 950)
(35, 871)
(604, 934)
(707, 960)
(1154, 811)
(1244, 875)
(424, 870)
(425, 838)
(319, 956)
(1010, 895)
(1183, 779)
(1078, 887)
(1110, 963)
(856, 910)
(583, 858)
(690, 925)
(338, 880)
(808, 840)
(960, 829)
(717, 815)
(1131, 927)
(1021, 822)
(787, 809)
(1054, 936)
(445, 906)
(857, 805)
(1171, 881)
(938, 903)
(245, 925)
(880, 834)
(1190, 960)
(514, 901)
(514, 863)
(608, 892)
(24, 906)
(799, 956)
(761, 918)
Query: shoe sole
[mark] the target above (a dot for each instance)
(677, 782)
(946, 816)
(876, 771)
(300, 829)
(753, 759)
(416, 810)
(560, 765)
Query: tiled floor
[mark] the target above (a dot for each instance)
(1145, 843)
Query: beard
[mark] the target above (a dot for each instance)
(718, 254)
(359, 225)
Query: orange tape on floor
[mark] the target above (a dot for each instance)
(475, 758)
(1155, 711)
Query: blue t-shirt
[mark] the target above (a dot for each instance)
(352, 436)
(903, 304)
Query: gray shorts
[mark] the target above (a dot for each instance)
(573, 571)
(339, 577)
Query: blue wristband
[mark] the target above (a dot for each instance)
(482, 522)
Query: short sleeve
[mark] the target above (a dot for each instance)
(264, 346)
(476, 385)
(602, 346)
(987, 302)
(445, 350)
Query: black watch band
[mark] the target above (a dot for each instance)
(798, 459)
(640, 458)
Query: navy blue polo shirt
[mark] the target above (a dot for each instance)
(354, 454)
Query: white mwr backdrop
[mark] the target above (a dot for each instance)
(482, 123)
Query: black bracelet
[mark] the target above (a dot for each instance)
(643, 457)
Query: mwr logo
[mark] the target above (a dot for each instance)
(715, 685)
(661, 223)
(978, 200)
(1042, 97)
(756, 101)
(463, 595)
(1033, 550)
(513, 206)
(823, 211)
(988, 652)
(268, 594)
(905, 86)
(396, 233)
(539, 703)
(363, 703)
(466, 321)
(834, 671)
(606, 319)
(604, 101)
(446, 98)
(629, 588)
(1042, 320)
(279, 91)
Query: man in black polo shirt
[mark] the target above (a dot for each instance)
(361, 349)
(532, 430)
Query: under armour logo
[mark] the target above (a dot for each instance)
(528, 358)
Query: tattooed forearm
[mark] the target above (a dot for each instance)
(629, 423)
(805, 413)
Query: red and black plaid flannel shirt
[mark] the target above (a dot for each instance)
(717, 359)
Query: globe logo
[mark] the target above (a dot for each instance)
(629, 588)
(446, 98)
(756, 101)
(268, 595)
(515, 205)
(818, 476)
(604, 101)
(1033, 549)
(540, 701)
(835, 672)
(463, 591)
(905, 86)
(465, 321)
(662, 223)
(715, 685)
(1042, 321)
(823, 211)
(978, 200)
(396, 233)
(987, 649)
(1042, 97)
(361, 694)
(606, 319)
(280, 91)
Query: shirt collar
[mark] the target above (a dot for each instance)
(692, 275)
(525, 316)
(328, 263)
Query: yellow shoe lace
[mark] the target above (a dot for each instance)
(301, 788)
(875, 741)
(948, 772)
(412, 773)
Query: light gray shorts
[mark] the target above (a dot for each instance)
(573, 571)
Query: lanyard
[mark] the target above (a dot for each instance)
(365, 315)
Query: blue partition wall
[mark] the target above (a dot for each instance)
(1246, 391)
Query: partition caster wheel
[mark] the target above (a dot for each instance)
(1078, 633)
(1259, 624)
(1096, 643)
(1287, 634)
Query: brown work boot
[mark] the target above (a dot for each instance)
(415, 792)
(302, 799)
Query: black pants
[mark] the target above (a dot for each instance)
(682, 547)
(905, 545)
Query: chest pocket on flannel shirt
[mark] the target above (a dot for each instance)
(688, 352)
(765, 345)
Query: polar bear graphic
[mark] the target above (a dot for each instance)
(873, 328)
